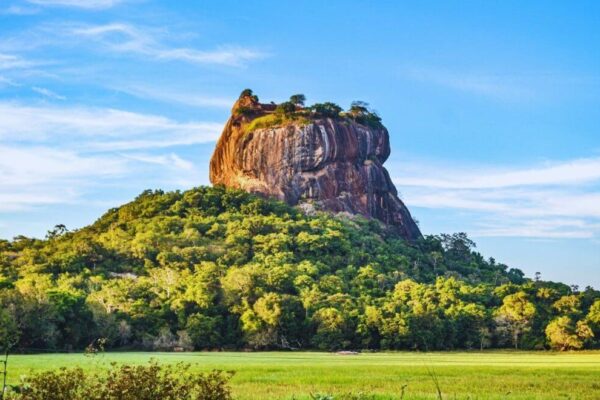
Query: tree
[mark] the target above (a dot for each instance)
(275, 320)
(58, 230)
(246, 93)
(327, 110)
(204, 331)
(285, 108)
(563, 334)
(517, 312)
(568, 305)
(330, 326)
(9, 332)
(298, 99)
(361, 113)
(249, 93)
(222, 268)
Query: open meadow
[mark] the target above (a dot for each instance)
(461, 375)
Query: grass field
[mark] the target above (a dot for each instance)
(461, 375)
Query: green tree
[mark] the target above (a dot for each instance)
(330, 328)
(298, 99)
(564, 334)
(517, 312)
(327, 110)
(9, 331)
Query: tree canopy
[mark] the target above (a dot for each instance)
(213, 268)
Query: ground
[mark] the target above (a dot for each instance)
(461, 375)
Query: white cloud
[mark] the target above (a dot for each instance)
(184, 98)
(570, 172)
(83, 4)
(26, 166)
(12, 61)
(4, 81)
(540, 228)
(169, 160)
(99, 129)
(37, 175)
(559, 199)
(48, 93)
(127, 39)
(58, 155)
(20, 10)
(498, 86)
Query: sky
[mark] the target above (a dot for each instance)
(493, 108)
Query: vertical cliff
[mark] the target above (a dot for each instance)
(329, 163)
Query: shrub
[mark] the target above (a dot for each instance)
(326, 110)
(275, 120)
(298, 99)
(361, 113)
(246, 111)
(63, 384)
(285, 108)
(249, 93)
(126, 382)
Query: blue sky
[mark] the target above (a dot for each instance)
(493, 108)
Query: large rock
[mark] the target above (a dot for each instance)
(331, 164)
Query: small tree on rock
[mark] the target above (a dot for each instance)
(298, 99)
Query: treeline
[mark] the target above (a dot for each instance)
(212, 268)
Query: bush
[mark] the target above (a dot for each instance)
(298, 99)
(126, 382)
(285, 108)
(63, 384)
(326, 110)
(248, 93)
(276, 120)
(361, 113)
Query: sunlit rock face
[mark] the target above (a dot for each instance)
(327, 164)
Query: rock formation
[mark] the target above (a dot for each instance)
(332, 164)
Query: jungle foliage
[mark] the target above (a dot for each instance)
(213, 268)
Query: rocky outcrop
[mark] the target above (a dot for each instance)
(332, 164)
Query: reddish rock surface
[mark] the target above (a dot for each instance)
(331, 164)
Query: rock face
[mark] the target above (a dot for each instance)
(331, 164)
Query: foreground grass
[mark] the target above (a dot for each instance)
(461, 375)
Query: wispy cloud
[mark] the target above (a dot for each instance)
(31, 165)
(83, 4)
(4, 81)
(57, 155)
(558, 199)
(180, 97)
(99, 129)
(128, 39)
(20, 10)
(499, 86)
(168, 160)
(550, 228)
(12, 61)
(570, 172)
(31, 176)
(48, 93)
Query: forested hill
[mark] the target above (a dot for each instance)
(216, 268)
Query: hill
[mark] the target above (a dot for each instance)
(220, 268)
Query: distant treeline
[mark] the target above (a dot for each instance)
(212, 268)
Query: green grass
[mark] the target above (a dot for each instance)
(461, 375)
(275, 120)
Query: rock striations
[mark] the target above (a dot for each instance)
(332, 164)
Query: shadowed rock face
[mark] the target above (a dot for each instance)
(333, 164)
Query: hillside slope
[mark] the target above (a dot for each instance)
(221, 268)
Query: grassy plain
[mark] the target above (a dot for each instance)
(461, 375)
